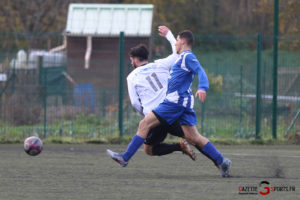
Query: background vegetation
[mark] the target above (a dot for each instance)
(226, 46)
(230, 17)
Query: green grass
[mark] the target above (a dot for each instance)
(223, 127)
(127, 139)
(223, 130)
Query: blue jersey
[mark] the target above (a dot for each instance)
(181, 78)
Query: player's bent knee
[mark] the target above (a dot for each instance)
(148, 150)
(190, 140)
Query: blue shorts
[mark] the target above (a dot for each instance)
(170, 112)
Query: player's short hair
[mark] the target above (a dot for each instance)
(188, 36)
(140, 51)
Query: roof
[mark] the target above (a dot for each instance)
(110, 19)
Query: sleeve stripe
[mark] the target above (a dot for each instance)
(183, 66)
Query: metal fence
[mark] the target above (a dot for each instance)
(236, 111)
(50, 97)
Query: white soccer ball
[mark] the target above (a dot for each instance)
(33, 146)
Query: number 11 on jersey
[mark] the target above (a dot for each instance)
(158, 83)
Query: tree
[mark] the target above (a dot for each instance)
(34, 19)
(289, 18)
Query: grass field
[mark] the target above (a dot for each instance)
(81, 171)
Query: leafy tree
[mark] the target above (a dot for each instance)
(289, 18)
(36, 18)
(27, 23)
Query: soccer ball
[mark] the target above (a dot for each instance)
(33, 146)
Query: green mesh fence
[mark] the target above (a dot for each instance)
(57, 96)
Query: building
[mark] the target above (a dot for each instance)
(92, 35)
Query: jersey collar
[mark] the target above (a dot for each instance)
(185, 51)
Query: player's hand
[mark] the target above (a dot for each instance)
(163, 30)
(201, 94)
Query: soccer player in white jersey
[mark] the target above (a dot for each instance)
(178, 104)
(147, 87)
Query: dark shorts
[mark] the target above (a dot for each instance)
(158, 134)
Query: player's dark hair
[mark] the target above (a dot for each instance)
(140, 51)
(188, 36)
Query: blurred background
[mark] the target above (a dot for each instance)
(63, 69)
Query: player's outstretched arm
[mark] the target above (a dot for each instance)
(166, 32)
(168, 61)
(163, 30)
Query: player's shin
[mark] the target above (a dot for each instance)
(134, 145)
(212, 153)
(164, 148)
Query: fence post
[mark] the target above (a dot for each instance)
(121, 80)
(13, 79)
(202, 117)
(258, 86)
(103, 102)
(275, 74)
(239, 133)
(43, 82)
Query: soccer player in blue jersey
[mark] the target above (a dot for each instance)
(178, 104)
(147, 87)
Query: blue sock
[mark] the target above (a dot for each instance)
(210, 150)
(134, 145)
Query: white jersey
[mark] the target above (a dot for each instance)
(148, 84)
